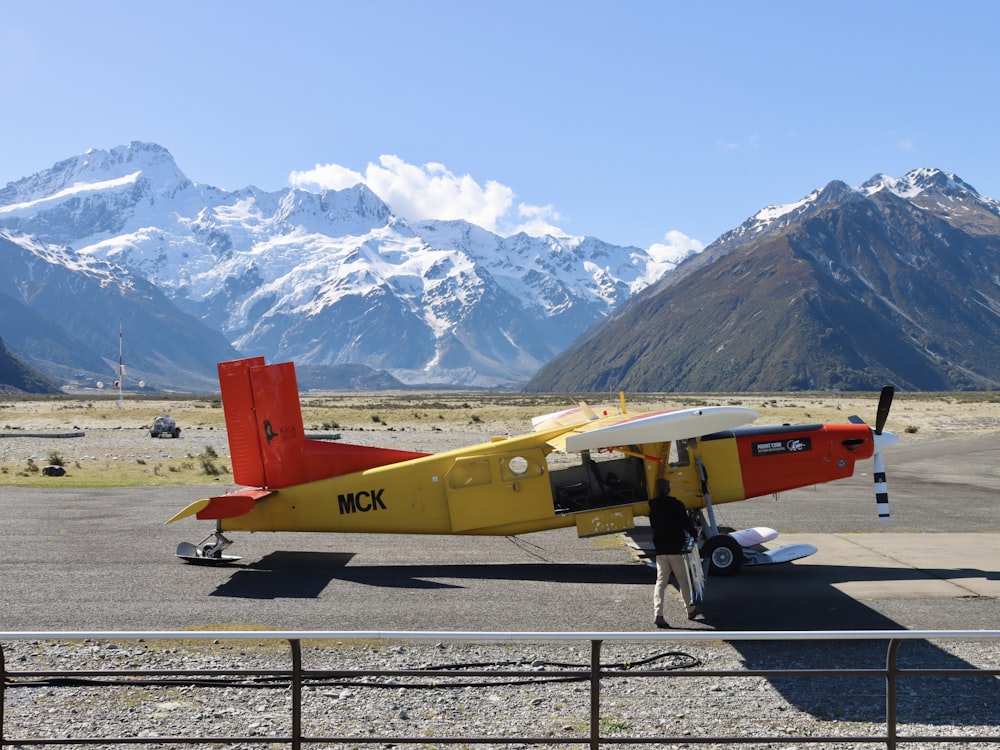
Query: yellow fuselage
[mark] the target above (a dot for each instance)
(498, 488)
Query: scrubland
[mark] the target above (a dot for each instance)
(117, 450)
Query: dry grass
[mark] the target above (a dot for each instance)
(117, 449)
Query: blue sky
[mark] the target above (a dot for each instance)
(635, 122)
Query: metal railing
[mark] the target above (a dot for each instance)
(297, 680)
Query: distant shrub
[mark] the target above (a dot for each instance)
(208, 465)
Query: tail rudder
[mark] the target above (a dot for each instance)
(241, 423)
(279, 430)
(264, 422)
(266, 436)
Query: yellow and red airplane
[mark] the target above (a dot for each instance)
(508, 486)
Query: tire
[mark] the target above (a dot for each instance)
(177, 432)
(724, 555)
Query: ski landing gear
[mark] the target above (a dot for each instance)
(208, 552)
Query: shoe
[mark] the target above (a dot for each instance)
(694, 612)
(661, 623)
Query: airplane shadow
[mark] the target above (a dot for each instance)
(284, 575)
(297, 575)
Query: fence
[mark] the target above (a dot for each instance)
(298, 682)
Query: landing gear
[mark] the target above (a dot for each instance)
(724, 555)
(208, 552)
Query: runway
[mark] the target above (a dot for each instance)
(103, 560)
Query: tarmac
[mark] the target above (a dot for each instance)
(103, 560)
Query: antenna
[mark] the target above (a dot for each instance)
(121, 365)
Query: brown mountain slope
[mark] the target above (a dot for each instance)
(861, 292)
(15, 375)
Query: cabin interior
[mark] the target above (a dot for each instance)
(613, 480)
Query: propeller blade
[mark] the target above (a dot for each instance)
(884, 404)
(881, 488)
(882, 440)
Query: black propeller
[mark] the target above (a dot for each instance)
(884, 404)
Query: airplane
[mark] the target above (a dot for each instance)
(608, 464)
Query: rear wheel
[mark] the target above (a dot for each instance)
(724, 555)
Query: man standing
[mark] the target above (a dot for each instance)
(669, 519)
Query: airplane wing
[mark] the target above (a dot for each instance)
(572, 417)
(655, 427)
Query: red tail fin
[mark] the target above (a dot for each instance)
(266, 437)
(238, 405)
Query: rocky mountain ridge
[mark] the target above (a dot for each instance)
(897, 281)
(851, 287)
(64, 312)
(333, 277)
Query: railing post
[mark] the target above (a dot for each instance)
(296, 646)
(891, 687)
(3, 695)
(595, 694)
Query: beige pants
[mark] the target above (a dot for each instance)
(665, 565)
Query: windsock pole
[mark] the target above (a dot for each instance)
(121, 365)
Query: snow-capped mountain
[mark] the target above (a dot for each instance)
(934, 190)
(331, 277)
(65, 312)
(896, 281)
(945, 189)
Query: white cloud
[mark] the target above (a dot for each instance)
(326, 176)
(904, 141)
(666, 255)
(751, 142)
(536, 221)
(432, 191)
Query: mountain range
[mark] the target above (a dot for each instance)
(329, 278)
(63, 313)
(893, 282)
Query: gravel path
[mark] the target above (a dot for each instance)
(540, 705)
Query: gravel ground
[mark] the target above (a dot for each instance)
(112, 444)
(790, 708)
(130, 444)
(427, 709)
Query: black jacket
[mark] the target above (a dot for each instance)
(669, 519)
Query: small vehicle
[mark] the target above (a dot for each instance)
(165, 426)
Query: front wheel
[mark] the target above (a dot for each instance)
(724, 555)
